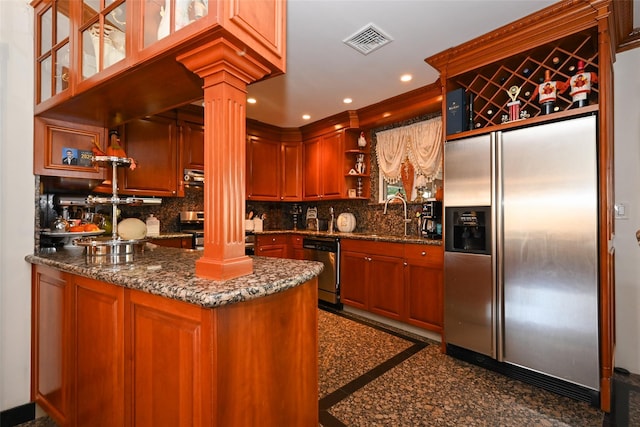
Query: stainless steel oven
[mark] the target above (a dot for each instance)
(193, 222)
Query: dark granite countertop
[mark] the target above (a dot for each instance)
(359, 236)
(175, 235)
(170, 272)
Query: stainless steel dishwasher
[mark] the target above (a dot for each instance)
(327, 251)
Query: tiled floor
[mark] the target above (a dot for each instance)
(375, 376)
(406, 381)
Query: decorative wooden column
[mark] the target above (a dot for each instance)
(226, 70)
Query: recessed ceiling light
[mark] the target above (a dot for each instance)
(406, 77)
(347, 100)
(251, 100)
(306, 116)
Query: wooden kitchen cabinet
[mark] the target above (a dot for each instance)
(386, 287)
(52, 138)
(423, 278)
(274, 166)
(263, 168)
(371, 279)
(353, 284)
(407, 287)
(291, 170)
(192, 145)
(52, 51)
(273, 245)
(98, 353)
(167, 337)
(51, 343)
(296, 250)
(77, 348)
(106, 355)
(323, 177)
(153, 144)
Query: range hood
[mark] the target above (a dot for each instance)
(193, 177)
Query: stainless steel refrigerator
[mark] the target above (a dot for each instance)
(521, 252)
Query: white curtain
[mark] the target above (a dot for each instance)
(420, 142)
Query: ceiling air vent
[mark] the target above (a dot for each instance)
(368, 39)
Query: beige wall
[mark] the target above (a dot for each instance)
(627, 189)
(17, 201)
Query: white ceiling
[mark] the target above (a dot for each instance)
(322, 70)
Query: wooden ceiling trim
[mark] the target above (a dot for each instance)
(544, 26)
(626, 36)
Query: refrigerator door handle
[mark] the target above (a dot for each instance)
(497, 244)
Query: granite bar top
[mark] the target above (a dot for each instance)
(176, 235)
(358, 236)
(170, 272)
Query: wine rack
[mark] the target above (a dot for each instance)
(489, 84)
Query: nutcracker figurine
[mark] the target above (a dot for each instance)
(580, 85)
(547, 92)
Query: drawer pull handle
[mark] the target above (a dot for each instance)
(423, 253)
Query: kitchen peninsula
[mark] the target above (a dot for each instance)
(149, 343)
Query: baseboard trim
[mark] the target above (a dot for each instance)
(18, 415)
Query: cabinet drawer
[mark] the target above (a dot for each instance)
(428, 253)
(371, 247)
(272, 239)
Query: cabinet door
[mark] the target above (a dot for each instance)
(51, 342)
(192, 145)
(311, 155)
(163, 18)
(263, 173)
(424, 286)
(104, 36)
(295, 245)
(331, 169)
(99, 353)
(353, 279)
(53, 139)
(53, 51)
(167, 351)
(153, 143)
(291, 170)
(386, 293)
(424, 296)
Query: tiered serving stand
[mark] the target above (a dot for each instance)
(111, 250)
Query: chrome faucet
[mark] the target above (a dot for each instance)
(404, 205)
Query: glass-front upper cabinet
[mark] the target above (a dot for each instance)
(103, 35)
(165, 17)
(52, 50)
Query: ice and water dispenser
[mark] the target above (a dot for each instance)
(468, 229)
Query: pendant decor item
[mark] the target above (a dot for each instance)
(514, 105)
(547, 93)
(360, 166)
(362, 141)
(407, 173)
(421, 188)
(580, 85)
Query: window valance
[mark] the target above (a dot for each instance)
(420, 142)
